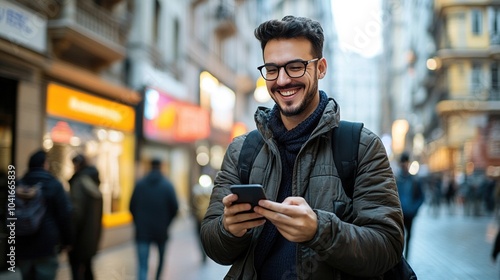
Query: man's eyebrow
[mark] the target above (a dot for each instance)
(275, 64)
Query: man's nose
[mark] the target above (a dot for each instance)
(283, 77)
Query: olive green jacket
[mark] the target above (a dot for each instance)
(367, 246)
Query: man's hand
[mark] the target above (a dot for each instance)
(294, 218)
(234, 221)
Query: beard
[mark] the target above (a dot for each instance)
(306, 102)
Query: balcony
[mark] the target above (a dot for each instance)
(87, 35)
(225, 21)
(213, 63)
(108, 4)
(447, 107)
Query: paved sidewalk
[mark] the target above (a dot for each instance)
(446, 246)
(450, 247)
(183, 260)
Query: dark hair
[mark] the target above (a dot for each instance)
(79, 160)
(37, 159)
(155, 163)
(405, 157)
(292, 27)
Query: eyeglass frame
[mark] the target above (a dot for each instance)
(305, 62)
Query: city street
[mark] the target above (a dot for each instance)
(443, 246)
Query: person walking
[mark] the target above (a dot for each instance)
(411, 195)
(87, 217)
(308, 228)
(199, 204)
(37, 253)
(153, 206)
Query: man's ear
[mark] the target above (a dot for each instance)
(322, 67)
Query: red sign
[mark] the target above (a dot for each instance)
(61, 133)
(166, 119)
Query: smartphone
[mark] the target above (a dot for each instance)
(250, 193)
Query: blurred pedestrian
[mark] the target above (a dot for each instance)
(496, 247)
(37, 253)
(434, 190)
(153, 206)
(87, 217)
(200, 201)
(411, 195)
(488, 193)
(450, 192)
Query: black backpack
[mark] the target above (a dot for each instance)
(346, 159)
(345, 145)
(30, 208)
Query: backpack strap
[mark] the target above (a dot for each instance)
(251, 147)
(345, 153)
(345, 145)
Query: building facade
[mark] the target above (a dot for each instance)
(407, 110)
(465, 86)
(125, 81)
(62, 71)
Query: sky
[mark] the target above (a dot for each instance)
(359, 25)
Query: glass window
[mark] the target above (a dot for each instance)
(494, 75)
(476, 74)
(477, 22)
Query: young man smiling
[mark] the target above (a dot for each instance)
(308, 228)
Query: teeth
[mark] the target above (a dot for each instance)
(287, 93)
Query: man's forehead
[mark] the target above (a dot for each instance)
(284, 50)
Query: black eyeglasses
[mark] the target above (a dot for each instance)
(294, 69)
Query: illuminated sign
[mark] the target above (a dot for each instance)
(22, 26)
(219, 100)
(75, 105)
(166, 119)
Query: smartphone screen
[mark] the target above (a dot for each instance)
(250, 193)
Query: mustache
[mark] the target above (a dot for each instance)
(281, 88)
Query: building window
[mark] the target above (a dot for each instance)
(156, 22)
(476, 79)
(176, 39)
(494, 76)
(477, 22)
(494, 21)
(495, 81)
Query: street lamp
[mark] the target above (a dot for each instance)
(260, 94)
(399, 129)
(433, 63)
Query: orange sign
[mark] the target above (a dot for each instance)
(71, 104)
(166, 119)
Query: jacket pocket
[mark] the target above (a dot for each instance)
(343, 210)
(339, 208)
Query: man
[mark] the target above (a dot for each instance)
(153, 206)
(312, 229)
(38, 253)
(411, 196)
(87, 217)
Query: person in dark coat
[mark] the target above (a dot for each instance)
(37, 254)
(87, 217)
(411, 195)
(153, 206)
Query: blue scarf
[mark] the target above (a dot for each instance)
(274, 255)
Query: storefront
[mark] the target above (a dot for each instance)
(219, 100)
(168, 128)
(102, 130)
(23, 46)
